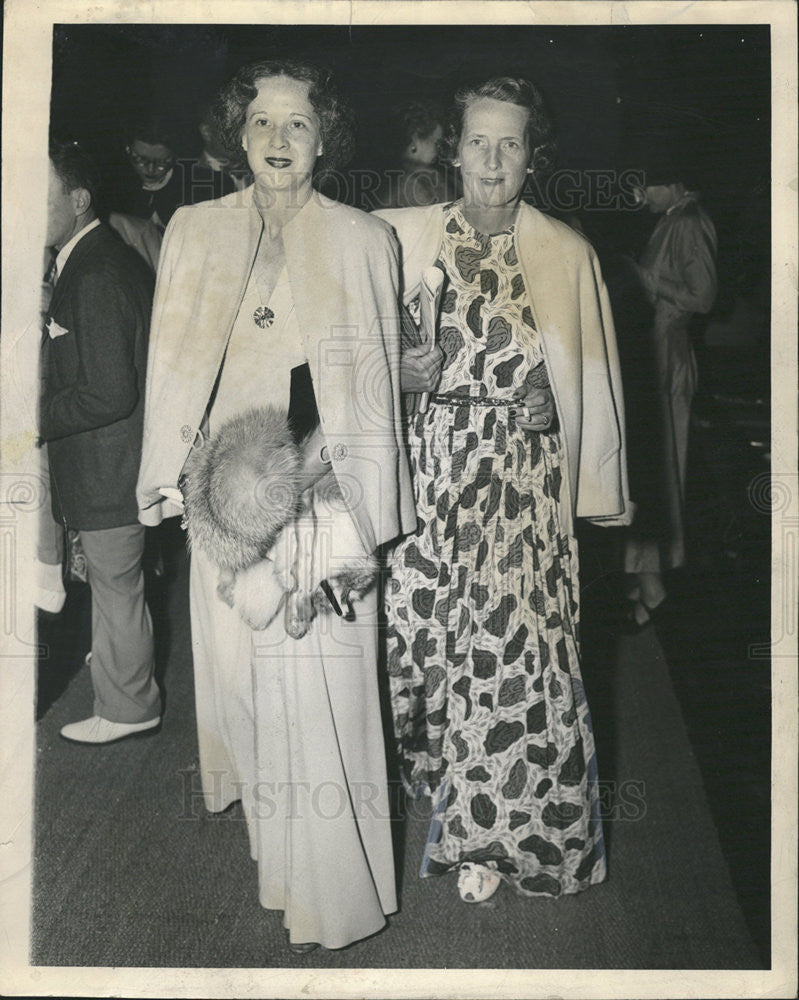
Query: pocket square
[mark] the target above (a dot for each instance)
(54, 329)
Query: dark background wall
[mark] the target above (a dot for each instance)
(617, 94)
(606, 86)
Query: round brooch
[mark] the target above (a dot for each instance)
(263, 317)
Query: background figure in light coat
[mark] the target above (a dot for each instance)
(678, 274)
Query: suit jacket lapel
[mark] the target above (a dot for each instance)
(82, 249)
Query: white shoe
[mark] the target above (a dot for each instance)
(97, 730)
(477, 883)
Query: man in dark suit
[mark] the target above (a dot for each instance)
(94, 354)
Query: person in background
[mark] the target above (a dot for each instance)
(416, 175)
(524, 433)
(153, 183)
(677, 272)
(158, 181)
(50, 594)
(93, 362)
(216, 163)
(141, 234)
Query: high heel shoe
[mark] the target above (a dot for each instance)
(477, 883)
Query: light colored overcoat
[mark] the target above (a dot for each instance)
(343, 270)
(571, 310)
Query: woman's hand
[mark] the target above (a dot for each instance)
(420, 368)
(535, 410)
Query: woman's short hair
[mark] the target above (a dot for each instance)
(232, 101)
(513, 90)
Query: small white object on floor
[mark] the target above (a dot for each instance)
(477, 883)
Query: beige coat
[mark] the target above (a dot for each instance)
(277, 715)
(342, 268)
(678, 270)
(572, 312)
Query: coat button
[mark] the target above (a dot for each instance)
(186, 434)
(339, 452)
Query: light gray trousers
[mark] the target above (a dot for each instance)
(122, 631)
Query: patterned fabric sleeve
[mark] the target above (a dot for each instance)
(538, 377)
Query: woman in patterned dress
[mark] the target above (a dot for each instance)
(524, 431)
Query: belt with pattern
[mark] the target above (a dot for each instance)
(459, 399)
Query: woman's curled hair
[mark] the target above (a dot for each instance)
(336, 122)
(512, 90)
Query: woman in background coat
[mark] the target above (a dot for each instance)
(677, 273)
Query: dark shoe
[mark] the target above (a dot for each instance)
(630, 624)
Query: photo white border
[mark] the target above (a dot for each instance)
(26, 90)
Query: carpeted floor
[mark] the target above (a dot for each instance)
(130, 871)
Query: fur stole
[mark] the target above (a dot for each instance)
(274, 545)
(242, 487)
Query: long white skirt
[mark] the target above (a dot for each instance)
(293, 729)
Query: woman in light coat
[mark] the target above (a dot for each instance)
(250, 289)
(523, 434)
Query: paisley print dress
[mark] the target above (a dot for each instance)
(488, 704)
